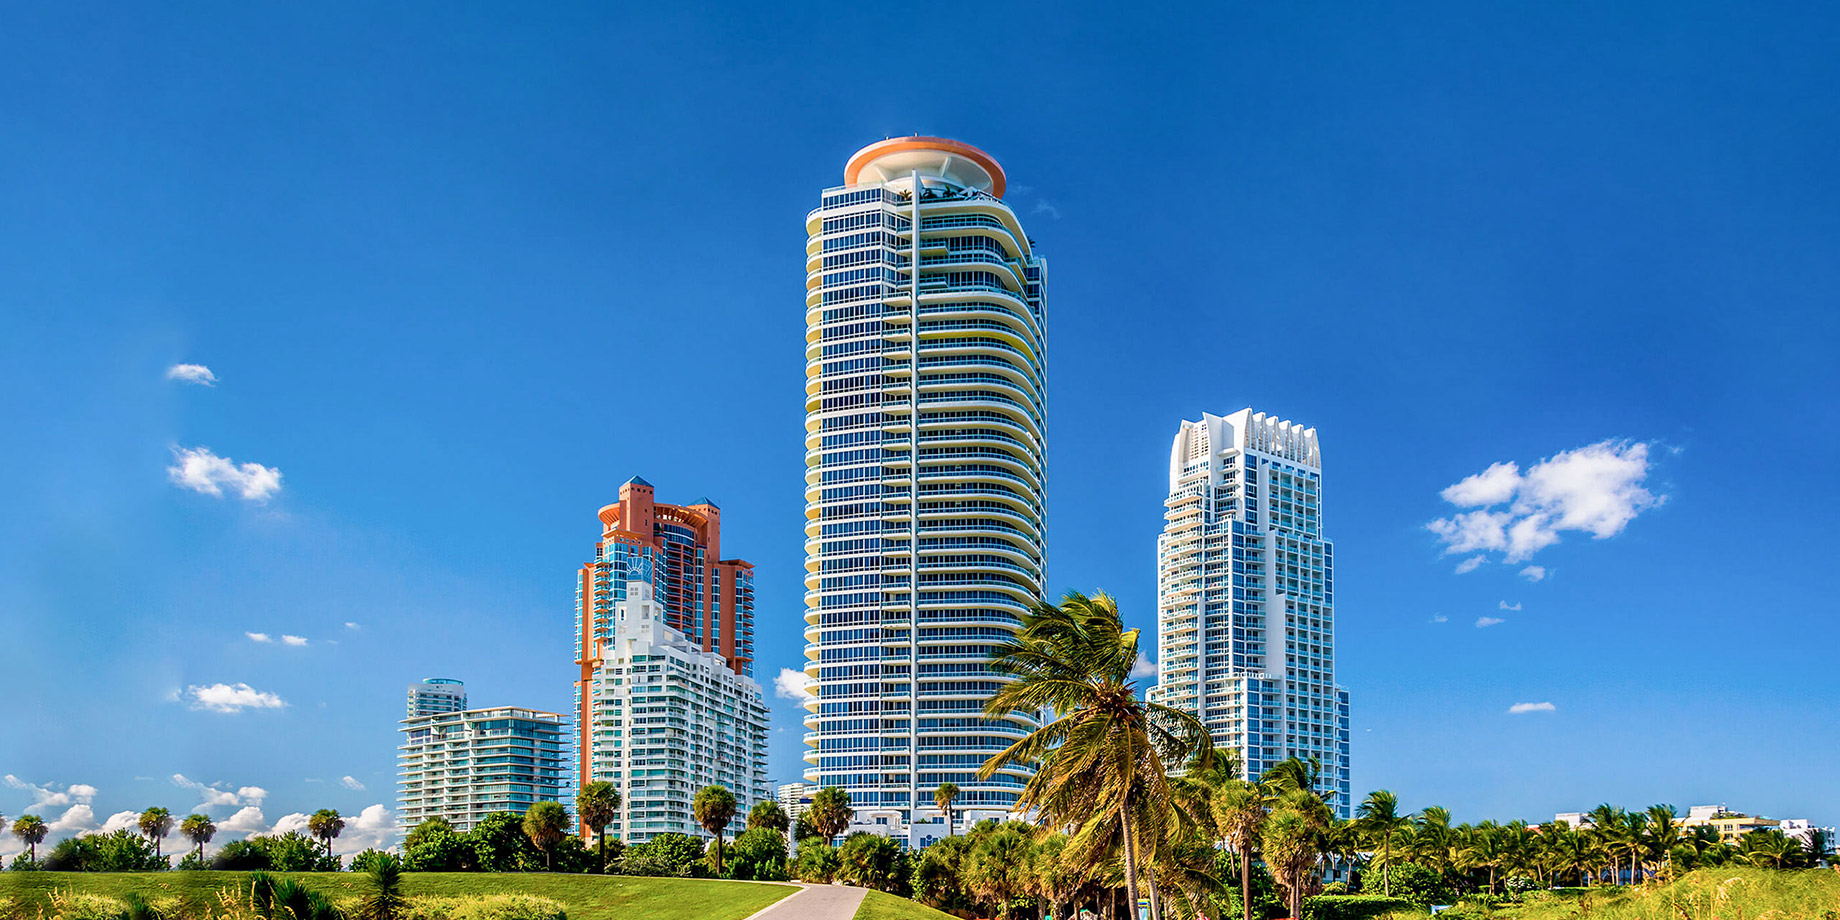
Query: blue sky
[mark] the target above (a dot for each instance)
(459, 272)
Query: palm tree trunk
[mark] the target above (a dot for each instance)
(1386, 866)
(1245, 880)
(1130, 854)
(1156, 894)
(603, 851)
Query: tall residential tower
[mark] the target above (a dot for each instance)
(925, 447)
(665, 701)
(1246, 595)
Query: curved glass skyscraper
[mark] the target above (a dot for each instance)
(924, 473)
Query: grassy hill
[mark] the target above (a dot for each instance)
(1705, 894)
(587, 897)
(879, 906)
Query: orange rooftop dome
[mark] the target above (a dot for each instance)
(954, 161)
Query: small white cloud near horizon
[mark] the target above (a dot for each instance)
(50, 796)
(350, 625)
(1486, 622)
(793, 685)
(351, 782)
(259, 637)
(1521, 708)
(200, 470)
(210, 794)
(1143, 666)
(1440, 618)
(1534, 572)
(231, 698)
(1507, 606)
(1042, 206)
(192, 373)
(121, 821)
(1596, 489)
(247, 820)
(294, 640)
(1471, 564)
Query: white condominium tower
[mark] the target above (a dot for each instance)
(924, 446)
(1246, 595)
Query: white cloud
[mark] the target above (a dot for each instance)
(252, 794)
(296, 821)
(50, 796)
(793, 685)
(350, 625)
(192, 373)
(259, 637)
(1042, 206)
(1534, 572)
(351, 783)
(1486, 622)
(1440, 618)
(1489, 487)
(1143, 666)
(294, 640)
(1519, 708)
(77, 819)
(121, 820)
(1597, 489)
(1471, 564)
(200, 470)
(372, 828)
(1507, 606)
(247, 820)
(210, 794)
(232, 698)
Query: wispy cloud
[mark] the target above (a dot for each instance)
(200, 470)
(294, 640)
(1521, 708)
(1471, 564)
(351, 783)
(1043, 206)
(1143, 666)
(259, 637)
(219, 795)
(52, 795)
(1534, 572)
(1507, 606)
(1486, 622)
(350, 625)
(1439, 618)
(793, 685)
(231, 698)
(192, 373)
(1597, 489)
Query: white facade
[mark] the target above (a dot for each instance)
(463, 766)
(1246, 595)
(436, 695)
(794, 798)
(925, 471)
(667, 719)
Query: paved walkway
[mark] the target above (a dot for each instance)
(815, 902)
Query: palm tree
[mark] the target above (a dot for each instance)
(1771, 849)
(1380, 822)
(829, 813)
(1103, 763)
(31, 831)
(1239, 810)
(943, 797)
(714, 808)
(156, 823)
(1293, 840)
(1663, 834)
(324, 826)
(1607, 832)
(767, 813)
(383, 898)
(1431, 838)
(545, 824)
(199, 830)
(597, 804)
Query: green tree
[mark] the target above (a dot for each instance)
(156, 823)
(1293, 842)
(713, 808)
(499, 843)
(199, 830)
(597, 804)
(436, 848)
(326, 825)
(1381, 824)
(1663, 835)
(545, 824)
(1105, 759)
(938, 880)
(767, 813)
(31, 831)
(1771, 849)
(421, 831)
(1239, 810)
(869, 860)
(942, 797)
(816, 863)
(829, 813)
(759, 854)
(1001, 867)
(382, 897)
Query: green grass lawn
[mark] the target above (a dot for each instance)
(587, 897)
(879, 906)
(1705, 894)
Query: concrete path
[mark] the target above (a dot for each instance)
(815, 902)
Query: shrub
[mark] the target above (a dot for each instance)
(242, 856)
(437, 849)
(1352, 906)
(759, 854)
(870, 860)
(121, 851)
(817, 863)
(485, 907)
(365, 860)
(69, 905)
(670, 855)
(1419, 885)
